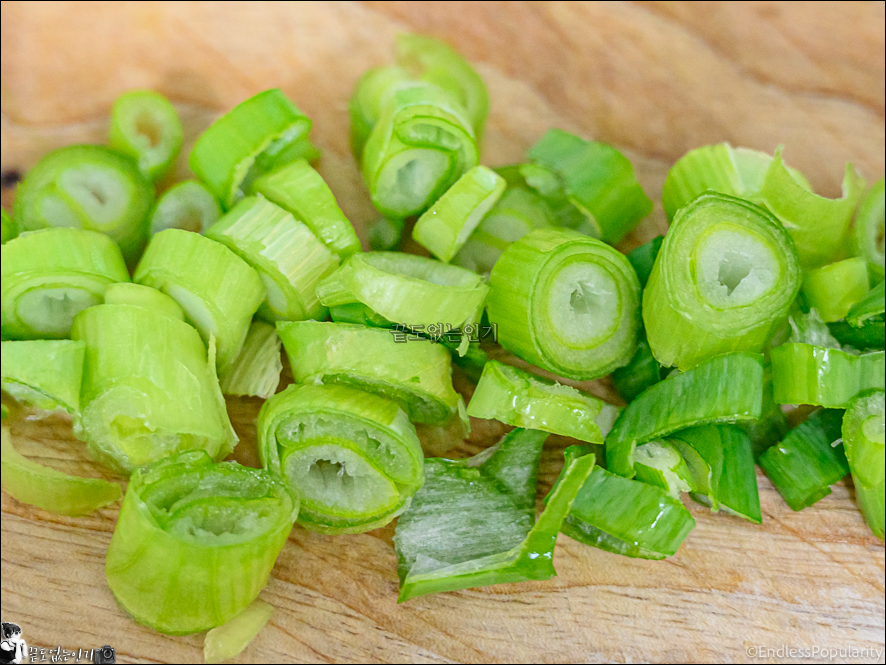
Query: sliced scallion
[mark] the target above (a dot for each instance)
(385, 234)
(127, 293)
(807, 374)
(639, 374)
(863, 427)
(643, 258)
(9, 228)
(870, 308)
(256, 372)
(146, 126)
(869, 229)
(188, 205)
(229, 641)
(44, 373)
(833, 289)
(659, 463)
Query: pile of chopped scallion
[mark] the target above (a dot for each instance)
(135, 312)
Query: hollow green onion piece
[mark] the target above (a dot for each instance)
(417, 375)
(871, 306)
(625, 516)
(196, 541)
(863, 426)
(724, 281)
(298, 188)
(659, 463)
(472, 523)
(251, 139)
(641, 372)
(871, 334)
(519, 398)
(728, 388)
(187, 205)
(372, 93)
(352, 457)
(44, 373)
(127, 293)
(89, 187)
(444, 228)
(385, 234)
(643, 258)
(869, 230)
(283, 251)
(9, 228)
(805, 464)
(50, 275)
(566, 302)
(229, 640)
(833, 289)
(414, 291)
(146, 126)
(139, 363)
(598, 179)
(52, 490)
(807, 374)
(218, 291)
(423, 142)
(256, 372)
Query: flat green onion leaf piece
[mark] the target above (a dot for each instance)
(187, 205)
(863, 427)
(833, 289)
(725, 389)
(253, 138)
(229, 640)
(445, 227)
(643, 258)
(659, 463)
(417, 375)
(51, 490)
(871, 335)
(642, 372)
(218, 291)
(146, 126)
(195, 541)
(567, 211)
(519, 398)
(724, 281)
(804, 465)
(870, 308)
(567, 303)
(352, 457)
(869, 230)
(89, 187)
(598, 179)
(9, 228)
(127, 293)
(256, 372)
(807, 374)
(44, 373)
(472, 524)
(298, 188)
(139, 364)
(50, 275)
(284, 252)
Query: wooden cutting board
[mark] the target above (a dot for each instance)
(655, 79)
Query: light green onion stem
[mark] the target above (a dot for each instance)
(188, 205)
(863, 426)
(869, 230)
(127, 293)
(659, 463)
(229, 641)
(256, 372)
(44, 373)
(146, 126)
(9, 228)
(833, 289)
(807, 374)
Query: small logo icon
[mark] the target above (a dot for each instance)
(106, 654)
(13, 648)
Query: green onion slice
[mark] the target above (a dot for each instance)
(659, 463)
(146, 126)
(352, 457)
(195, 541)
(808, 328)
(869, 229)
(9, 228)
(44, 373)
(863, 427)
(187, 205)
(871, 335)
(445, 227)
(218, 291)
(807, 374)
(229, 640)
(725, 389)
(643, 258)
(724, 281)
(50, 275)
(88, 187)
(567, 303)
(641, 372)
(870, 308)
(567, 212)
(805, 464)
(256, 372)
(138, 365)
(253, 138)
(833, 289)
(127, 293)
(285, 254)
(385, 234)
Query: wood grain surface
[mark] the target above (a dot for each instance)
(655, 79)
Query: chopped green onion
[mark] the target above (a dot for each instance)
(808, 328)
(871, 306)
(639, 374)
(598, 179)
(728, 388)
(256, 372)
(519, 398)
(871, 335)
(46, 488)
(724, 281)
(89, 187)
(772, 425)
(146, 126)
(9, 227)
(218, 291)
(625, 516)
(805, 464)
(195, 541)
(472, 522)
(139, 363)
(445, 227)
(863, 427)
(807, 374)
(127, 293)
(352, 457)
(385, 234)
(567, 212)
(643, 258)
(283, 251)
(229, 640)
(44, 373)
(253, 138)
(373, 93)
(188, 205)
(566, 302)
(298, 188)
(659, 463)
(834, 288)
(869, 229)
(50, 275)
